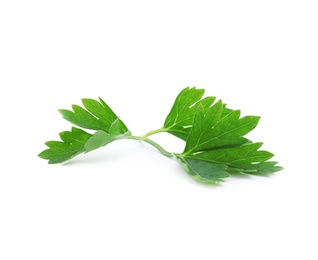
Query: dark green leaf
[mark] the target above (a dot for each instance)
(245, 158)
(81, 117)
(179, 120)
(210, 130)
(76, 142)
(76, 135)
(98, 116)
(204, 172)
(72, 145)
(217, 137)
(262, 168)
(240, 156)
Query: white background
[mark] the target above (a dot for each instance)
(127, 201)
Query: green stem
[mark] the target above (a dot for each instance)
(153, 143)
(160, 130)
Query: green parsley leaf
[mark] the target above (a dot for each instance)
(216, 146)
(210, 130)
(72, 144)
(204, 172)
(218, 138)
(98, 116)
(179, 120)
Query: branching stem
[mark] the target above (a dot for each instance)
(160, 130)
(153, 143)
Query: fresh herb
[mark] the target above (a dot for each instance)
(215, 146)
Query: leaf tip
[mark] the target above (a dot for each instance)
(41, 155)
(63, 112)
(84, 100)
(101, 100)
(278, 168)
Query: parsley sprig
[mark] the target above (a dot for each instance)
(214, 135)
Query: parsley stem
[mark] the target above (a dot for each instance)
(160, 130)
(161, 150)
(153, 143)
